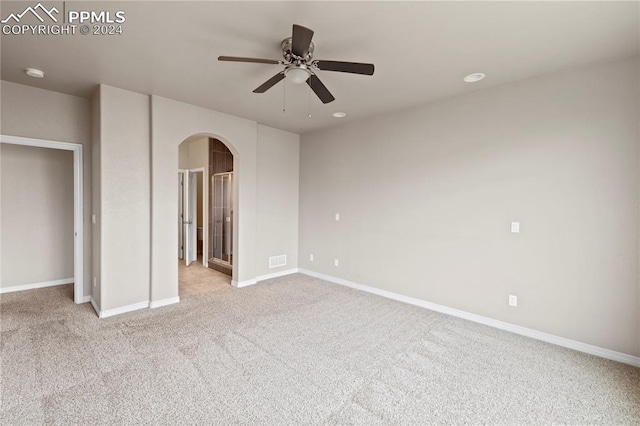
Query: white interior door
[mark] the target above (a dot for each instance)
(191, 213)
(180, 215)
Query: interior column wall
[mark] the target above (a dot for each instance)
(278, 191)
(96, 203)
(125, 195)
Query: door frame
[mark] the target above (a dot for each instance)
(190, 199)
(181, 176)
(232, 178)
(205, 214)
(78, 203)
(205, 211)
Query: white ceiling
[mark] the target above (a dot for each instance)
(421, 51)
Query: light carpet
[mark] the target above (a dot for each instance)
(292, 350)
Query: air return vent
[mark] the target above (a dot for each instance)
(275, 261)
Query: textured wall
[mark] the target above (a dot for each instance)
(96, 203)
(125, 194)
(426, 197)
(37, 215)
(278, 170)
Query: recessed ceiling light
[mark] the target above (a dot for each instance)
(472, 78)
(35, 73)
(339, 114)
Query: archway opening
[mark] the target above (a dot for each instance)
(206, 206)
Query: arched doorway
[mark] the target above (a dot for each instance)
(206, 196)
(172, 123)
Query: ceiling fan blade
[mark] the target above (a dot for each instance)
(351, 67)
(270, 83)
(256, 60)
(300, 40)
(320, 89)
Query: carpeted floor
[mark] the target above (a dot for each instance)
(292, 350)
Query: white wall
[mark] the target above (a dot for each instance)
(199, 153)
(125, 196)
(35, 113)
(183, 155)
(426, 197)
(277, 220)
(194, 154)
(96, 199)
(37, 215)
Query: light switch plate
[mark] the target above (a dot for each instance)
(311, 258)
(513, 300)
(335, 262)
(515, 227)
(337, 217)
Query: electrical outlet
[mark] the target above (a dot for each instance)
(311, 258)
(335, 262)
(337, 217)
(513, 300)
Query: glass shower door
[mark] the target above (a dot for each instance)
(222, 209)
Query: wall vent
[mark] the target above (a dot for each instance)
(275, 261)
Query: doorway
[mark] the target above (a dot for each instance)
(78, 216)
(196, 225)
(192, 216)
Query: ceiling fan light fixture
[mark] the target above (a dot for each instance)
(33, 72)
(472, 78)
(297, 75)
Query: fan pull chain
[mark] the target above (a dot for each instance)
(309, 101)
(284, 95)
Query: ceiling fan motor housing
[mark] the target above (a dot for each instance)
(289, 56)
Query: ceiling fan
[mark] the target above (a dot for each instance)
(299, 67)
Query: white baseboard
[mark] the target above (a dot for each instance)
(36, 285)
(259, 278)
(528, 332)
(276, 274)
(123, 309)
(164, 302)
(86, 299)
(129, 308)
(246, 283)
(95, 305)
